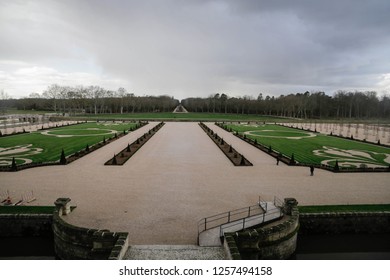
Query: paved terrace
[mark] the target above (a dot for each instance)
(179, 177)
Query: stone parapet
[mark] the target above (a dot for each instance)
(276, 240)
(73, 242)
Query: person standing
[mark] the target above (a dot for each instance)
(311, 170)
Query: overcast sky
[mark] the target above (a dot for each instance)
(196, 47)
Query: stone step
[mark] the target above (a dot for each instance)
(174, 252)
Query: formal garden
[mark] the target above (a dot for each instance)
(50, 145)
(306, 147)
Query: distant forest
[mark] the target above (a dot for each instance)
(97, 100)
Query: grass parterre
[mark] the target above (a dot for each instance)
(47, 145)
(314, 148)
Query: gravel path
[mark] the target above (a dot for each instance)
(178, 177)
(175, 252)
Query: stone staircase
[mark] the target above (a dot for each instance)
(174, 252)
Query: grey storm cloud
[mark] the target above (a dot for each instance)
(188, 48)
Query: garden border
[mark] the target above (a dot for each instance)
(132, 148)
(235, 157)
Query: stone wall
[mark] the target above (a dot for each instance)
(26, 225)
(344, 222)
(273, 241)
(72, 242)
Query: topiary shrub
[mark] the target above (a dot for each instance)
(292, 160)
(336, 166)
(62, 157)
(114, 162)
(128, 148)
(87, 148)
(13, 165)
(242, 162)
(230, 149)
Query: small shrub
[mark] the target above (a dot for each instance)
(87, 148)
(128, 148)
(114, 162)
(292, 160)
(363, 166)
(62, 157)
(336, 166)
(242, 162)
(13, 165)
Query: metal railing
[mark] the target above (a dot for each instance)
(278, 202)
(239, 218)
(228, 217)
(240, 224)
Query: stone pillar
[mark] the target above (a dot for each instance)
(289, 203)
(62, 206)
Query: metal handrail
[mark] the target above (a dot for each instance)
(278, 202)
(245, 220)
(228, 217)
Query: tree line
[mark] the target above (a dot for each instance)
(97, 100)
(91, 100)
(343, 104)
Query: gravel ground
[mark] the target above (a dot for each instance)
(178, 177)
(174, 252)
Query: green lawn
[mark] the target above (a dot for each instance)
(315, 148)
(46, 145)
(185, 116)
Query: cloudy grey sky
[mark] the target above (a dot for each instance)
(196, 47)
